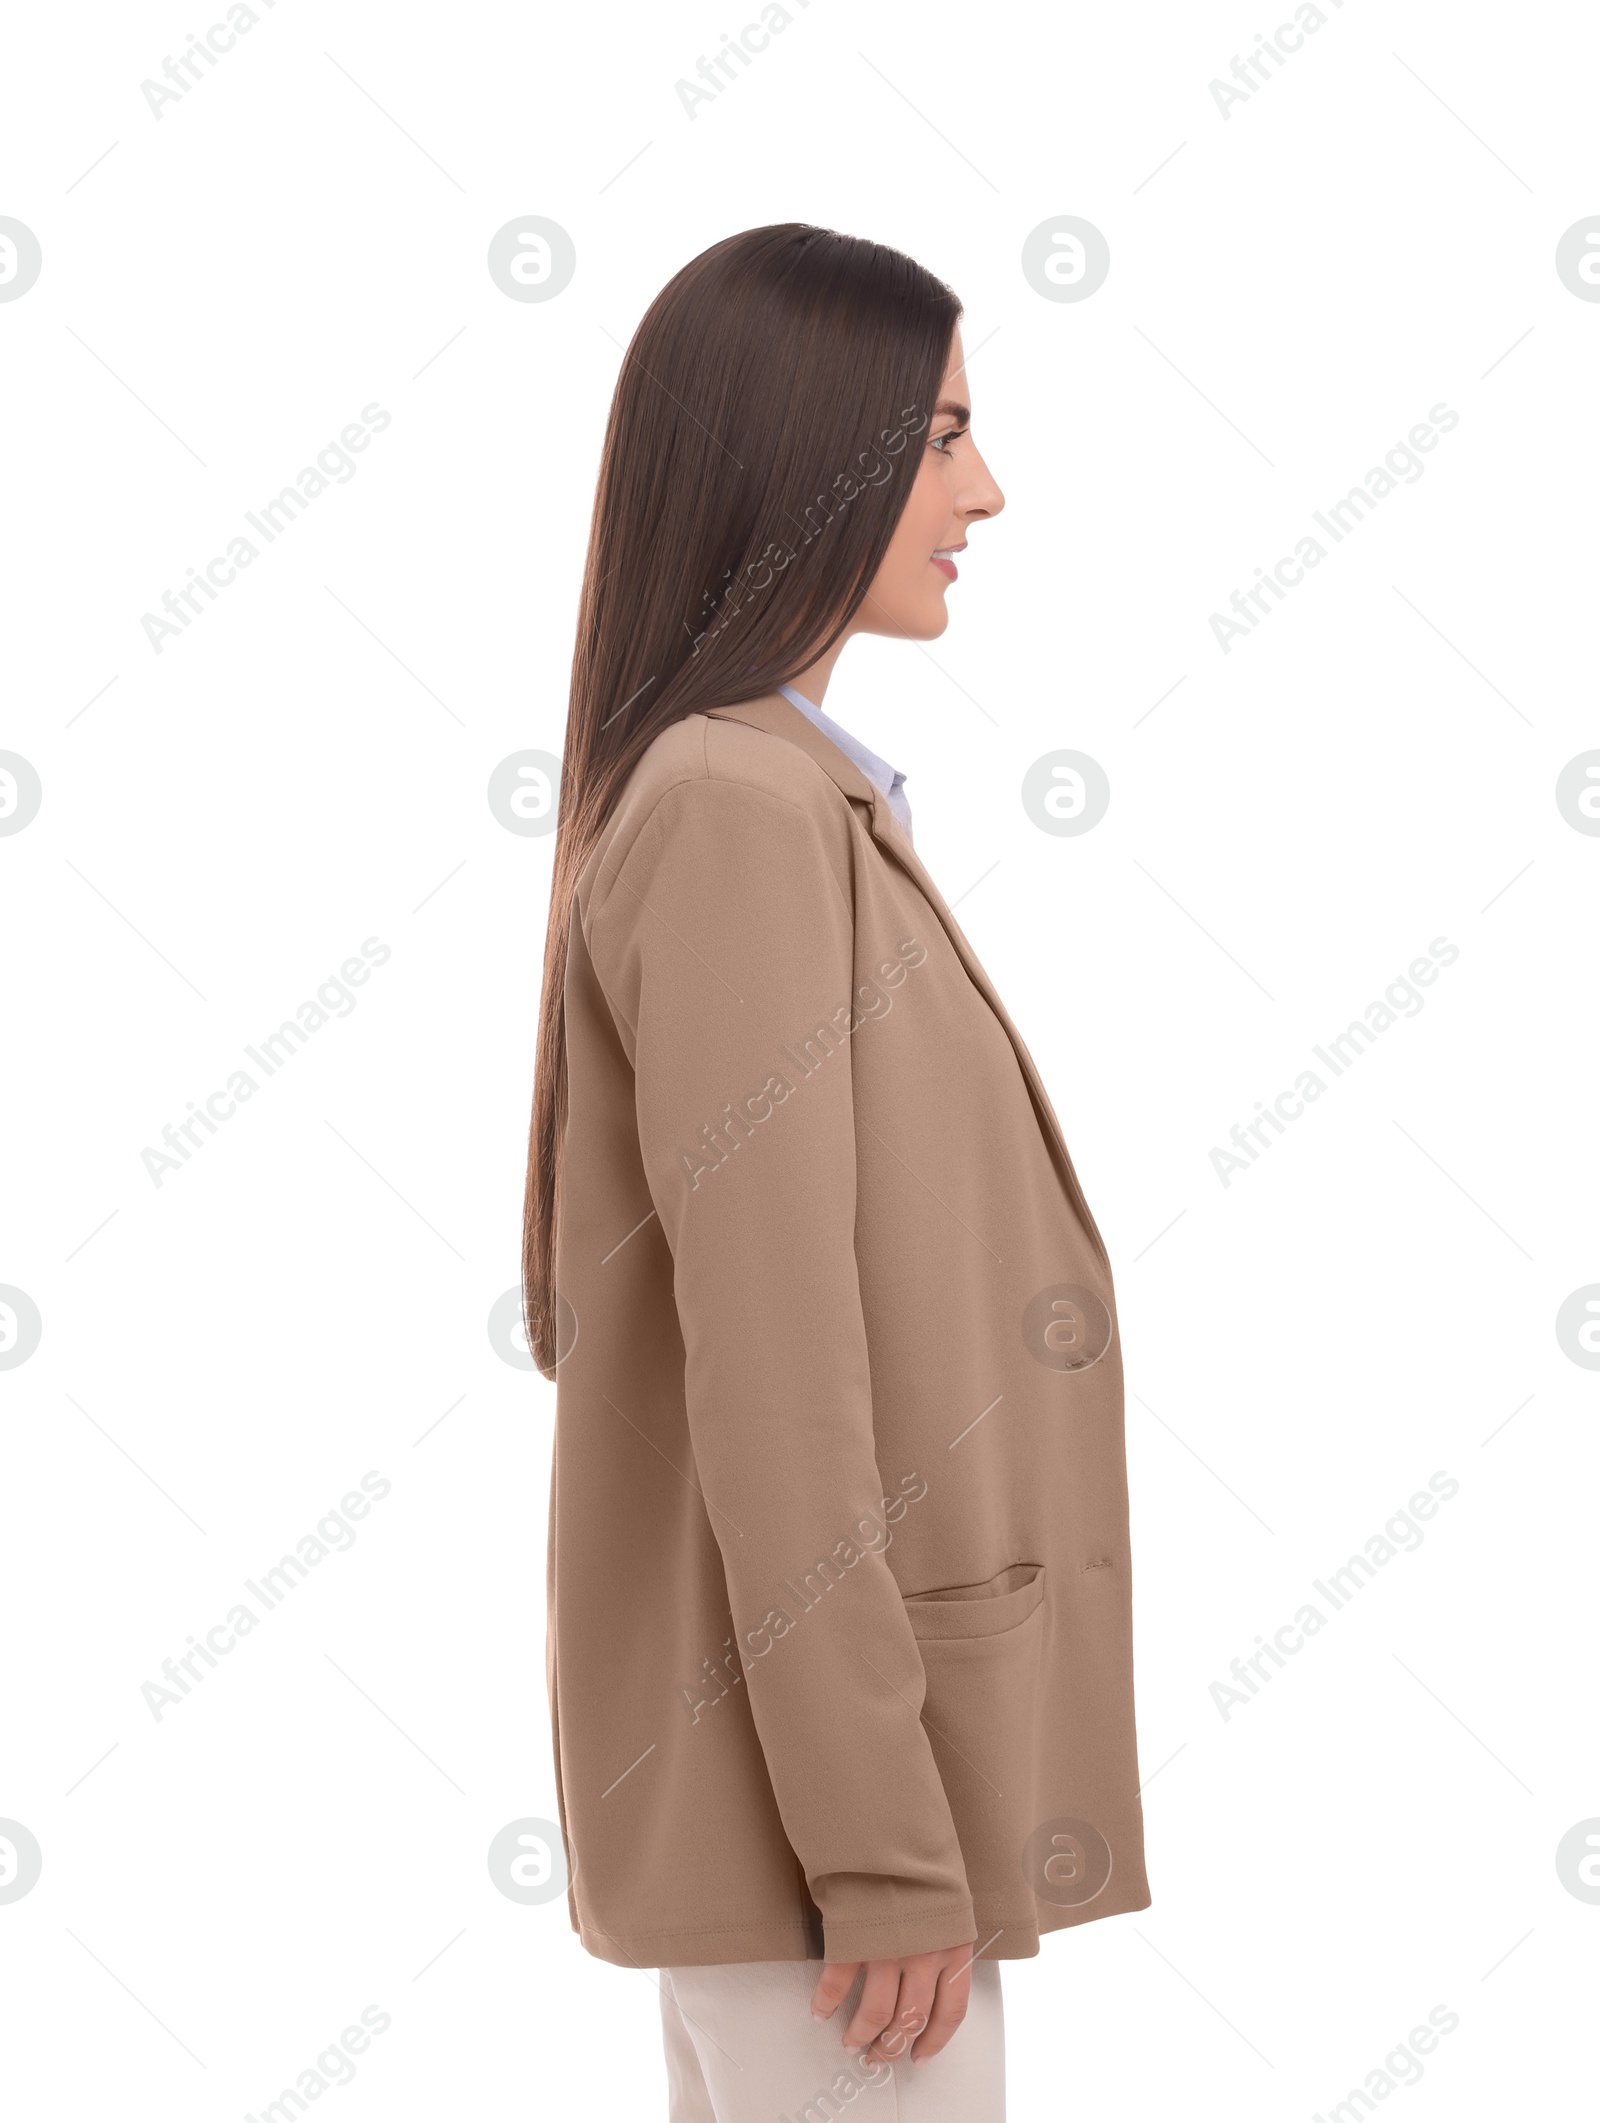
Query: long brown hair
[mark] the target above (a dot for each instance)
(760, 450)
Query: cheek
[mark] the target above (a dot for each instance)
(922, 525)
(930, 502)
(908, 592)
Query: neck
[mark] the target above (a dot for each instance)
(813, 681)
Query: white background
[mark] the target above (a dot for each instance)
(224, 1355)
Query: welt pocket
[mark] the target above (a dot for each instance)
(999, 1604)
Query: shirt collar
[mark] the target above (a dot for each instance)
(890, 781)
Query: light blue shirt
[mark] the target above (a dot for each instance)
(889, 781)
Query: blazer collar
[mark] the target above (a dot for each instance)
(780, 718)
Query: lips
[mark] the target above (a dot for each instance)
(944, 559)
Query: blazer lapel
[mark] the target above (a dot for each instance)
(781, 718)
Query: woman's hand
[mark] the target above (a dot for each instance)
(911, 1999)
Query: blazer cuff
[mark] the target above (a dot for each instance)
(858, 1937)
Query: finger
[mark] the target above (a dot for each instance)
(876, 2009)
(911, 2012)
(949, 2010)
(832, 1988)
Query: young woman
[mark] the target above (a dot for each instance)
(839, 1645)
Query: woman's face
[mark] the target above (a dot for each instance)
(952, 489)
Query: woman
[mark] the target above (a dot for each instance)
(839, 1640)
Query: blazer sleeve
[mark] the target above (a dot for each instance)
(726, 944)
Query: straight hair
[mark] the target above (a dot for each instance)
(761, 447)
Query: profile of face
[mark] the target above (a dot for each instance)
(953, 489)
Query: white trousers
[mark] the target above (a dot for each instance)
(742, 2047)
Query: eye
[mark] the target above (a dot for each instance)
(949, 435)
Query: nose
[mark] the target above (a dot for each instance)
(982, 496)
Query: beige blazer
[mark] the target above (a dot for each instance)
(840, 1655)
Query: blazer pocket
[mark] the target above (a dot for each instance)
(982, 1650)
(990, 1609)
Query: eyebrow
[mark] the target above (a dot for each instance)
(953, 406)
